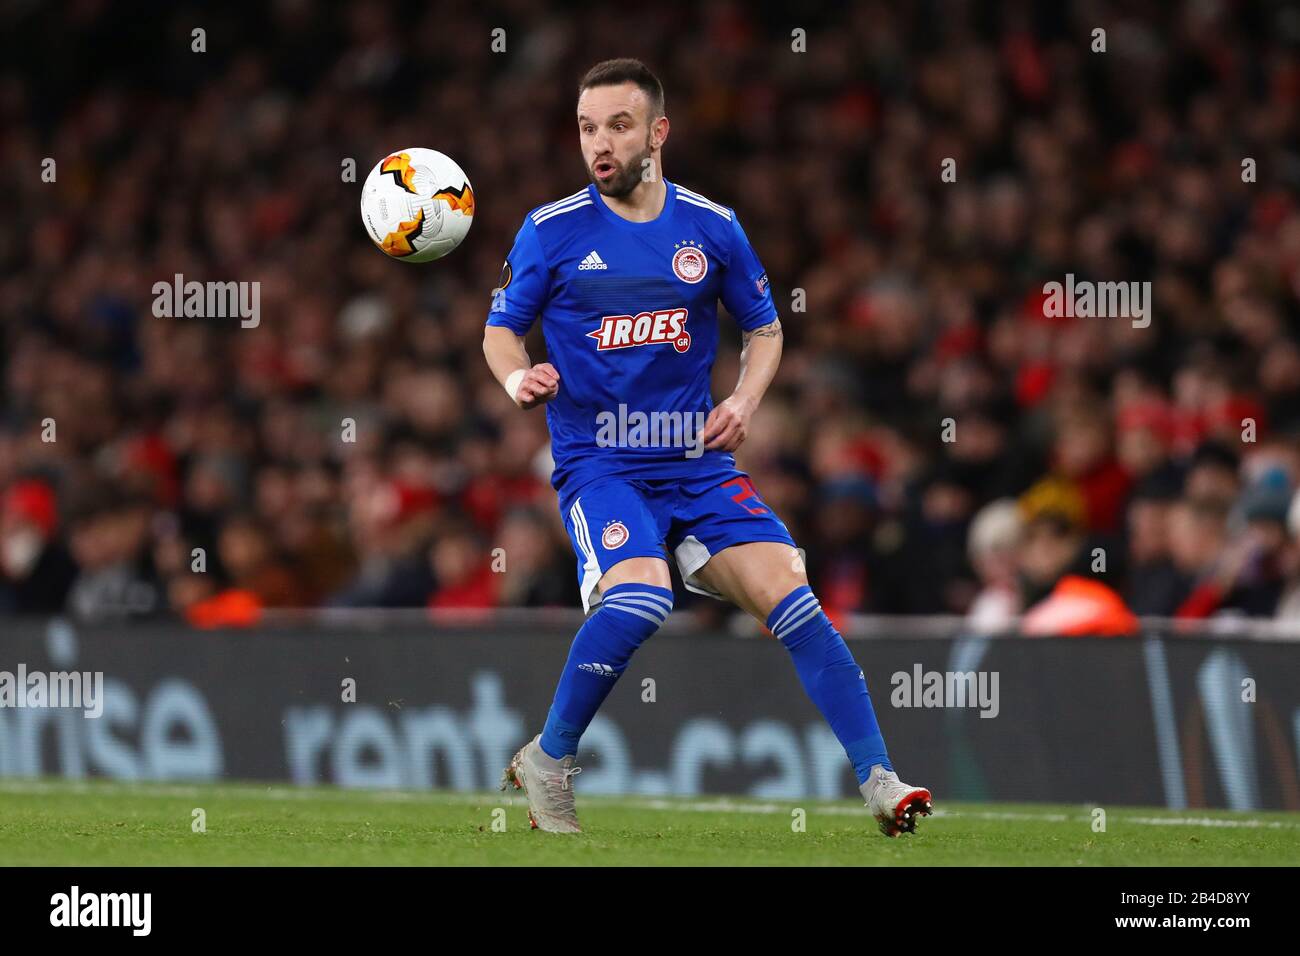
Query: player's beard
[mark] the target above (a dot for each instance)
(626, 178)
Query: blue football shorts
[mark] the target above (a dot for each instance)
(612, 519)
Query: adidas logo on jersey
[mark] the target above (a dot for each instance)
(592, 261)
(604, 670)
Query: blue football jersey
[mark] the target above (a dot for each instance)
(629, 315)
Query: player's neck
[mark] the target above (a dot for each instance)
(642, 204)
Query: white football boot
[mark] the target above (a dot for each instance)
(546, 783)
(895, 805)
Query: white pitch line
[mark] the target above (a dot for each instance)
(726, 806)
(1210, 822)
(682, 804)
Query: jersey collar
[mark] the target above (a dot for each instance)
(665, 214)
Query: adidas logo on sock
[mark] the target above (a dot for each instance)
(604, 670)
(592, 261)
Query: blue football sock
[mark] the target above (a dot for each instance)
(628, 614)
(831, 677)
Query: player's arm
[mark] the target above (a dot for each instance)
(748, 298)
(527, 384)
(521, 294)
(760, 355)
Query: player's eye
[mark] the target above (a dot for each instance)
(619, 127)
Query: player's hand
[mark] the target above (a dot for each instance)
(728, 424)
(540, 384)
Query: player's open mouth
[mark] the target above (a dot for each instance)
(604, 169)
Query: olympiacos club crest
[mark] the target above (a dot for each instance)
(690, 264)
(614, 536)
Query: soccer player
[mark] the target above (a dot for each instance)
(626, 275)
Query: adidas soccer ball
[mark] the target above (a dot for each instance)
(417, 205)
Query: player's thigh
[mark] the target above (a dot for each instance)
(652, 571)
(728, 543)
(755, 576)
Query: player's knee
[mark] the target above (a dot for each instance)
(777, 587)
(637, 609)
(646, 571)
(797, 619)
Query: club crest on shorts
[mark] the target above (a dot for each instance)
(614, 536)
(689, 262)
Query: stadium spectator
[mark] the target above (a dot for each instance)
(36, 571)
(995, 538)
(1156, 586)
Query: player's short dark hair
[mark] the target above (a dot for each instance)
(627, 70)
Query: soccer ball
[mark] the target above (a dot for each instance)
(417, 205)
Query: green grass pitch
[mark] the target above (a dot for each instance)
(57, 823)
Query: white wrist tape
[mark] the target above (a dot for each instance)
(512, 382)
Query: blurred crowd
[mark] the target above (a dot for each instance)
(934, 441)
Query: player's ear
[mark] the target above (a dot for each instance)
(659, 132)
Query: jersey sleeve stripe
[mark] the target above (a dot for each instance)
(560, 212)
(545, 207)
(706, 205)
(705, 199)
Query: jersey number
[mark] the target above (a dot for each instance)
(746, 492)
